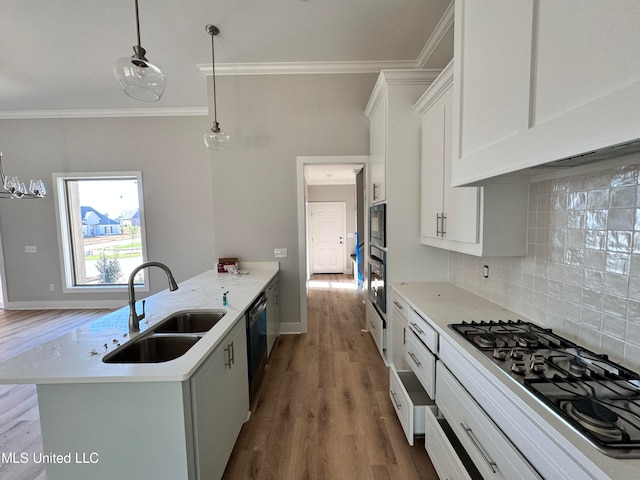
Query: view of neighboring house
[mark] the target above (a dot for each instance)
(130, 218)
(95, 224)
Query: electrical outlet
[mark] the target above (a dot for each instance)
(30, 249)
(280, 253)
(52, 287)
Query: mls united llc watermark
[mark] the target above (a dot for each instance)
(7, 458)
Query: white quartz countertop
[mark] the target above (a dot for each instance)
(72, 358)
(444, 303)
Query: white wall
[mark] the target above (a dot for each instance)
(582, 274)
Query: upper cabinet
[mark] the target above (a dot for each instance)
(470, 220)
(537, 81)
(391, 127)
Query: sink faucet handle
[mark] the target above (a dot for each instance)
(140, 317)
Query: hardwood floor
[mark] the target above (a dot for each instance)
(323, 410)
(19, 417)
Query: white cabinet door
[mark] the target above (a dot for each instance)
(220, 403)
(540, 81)
(378, 151)
(433, 158)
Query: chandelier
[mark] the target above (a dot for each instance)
(14, 188)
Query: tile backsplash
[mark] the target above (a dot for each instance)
(582, 273)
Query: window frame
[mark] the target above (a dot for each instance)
(64, 235)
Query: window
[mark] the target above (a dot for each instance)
(101, 229)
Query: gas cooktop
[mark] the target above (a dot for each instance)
(597, 397)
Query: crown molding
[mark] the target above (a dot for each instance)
(443, 26)
(105, 113)
(304, 68)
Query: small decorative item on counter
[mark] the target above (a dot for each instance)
(224, 263)
(225, 300)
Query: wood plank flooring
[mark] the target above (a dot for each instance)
(19, 417)
(323, 410)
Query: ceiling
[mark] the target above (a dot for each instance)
(331, 173)
(56, 57)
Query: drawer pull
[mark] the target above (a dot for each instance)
(395, 400)
(417, 328)
(469, 432)
(413, 357)
(395, 302)
(227, 361)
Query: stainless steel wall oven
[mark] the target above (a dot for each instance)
(377, 279)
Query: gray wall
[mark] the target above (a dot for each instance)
(273, 119)
(176, 173)
(200, 205)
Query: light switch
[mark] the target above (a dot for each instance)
(280, 253)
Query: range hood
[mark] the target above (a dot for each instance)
(593, 156)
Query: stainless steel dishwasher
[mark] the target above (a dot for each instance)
(257, 342)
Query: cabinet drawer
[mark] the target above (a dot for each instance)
(400, 307)
(423, 330)
(409, 401)
(423, 363)
(447, 455)
(375, 326)
(490, 450)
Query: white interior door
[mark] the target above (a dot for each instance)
(327, 232)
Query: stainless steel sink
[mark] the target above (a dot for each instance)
(152, 349)
(192, 321)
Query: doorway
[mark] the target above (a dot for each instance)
(327, 237)
(318, 181)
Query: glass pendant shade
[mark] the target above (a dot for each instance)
(138, 77)
(215, 138)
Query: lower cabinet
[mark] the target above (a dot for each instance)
(491, 451)
(445, 451)
(375, 326)
(410, 400)
(220, 402)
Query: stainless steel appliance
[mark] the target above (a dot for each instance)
(377, 279)
(257, 342)
(594, 395)
(377, 227)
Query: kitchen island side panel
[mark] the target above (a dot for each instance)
(116, 430)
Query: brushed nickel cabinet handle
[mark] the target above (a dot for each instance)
(415, 360)
(227, 361)
(417, 328)
(469, 432)
(395, 400)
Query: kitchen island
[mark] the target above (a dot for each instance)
(176, 419)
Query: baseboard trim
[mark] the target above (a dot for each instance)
(66, 305)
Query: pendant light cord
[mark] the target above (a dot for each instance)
(137, 23)
(213, 82)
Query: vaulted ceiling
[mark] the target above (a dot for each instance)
(57, 56)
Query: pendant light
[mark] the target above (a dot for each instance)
(14, 188)
(139, 78)
(215, 138)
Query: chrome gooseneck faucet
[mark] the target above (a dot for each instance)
(134, 318)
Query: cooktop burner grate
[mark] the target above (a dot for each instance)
(597, 397)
